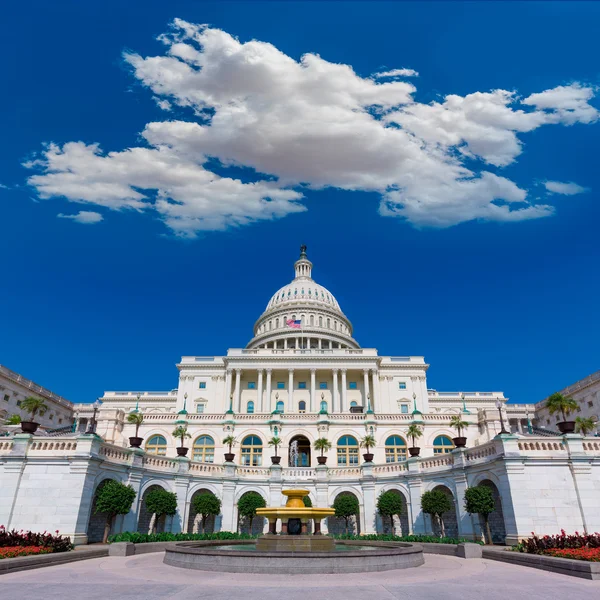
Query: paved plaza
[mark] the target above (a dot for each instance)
(146, 578)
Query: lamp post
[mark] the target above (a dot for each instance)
(499, 407)
(92, 426)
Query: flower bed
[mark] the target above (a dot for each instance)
(29, 539)
(14, 551)
(416, 539)
(548, 544)
(146, 538)
(589, 554)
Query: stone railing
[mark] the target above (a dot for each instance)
(343, 472)
(160, 463)
(479, 452)
(542, 445)
(591, 446)
(115, 453)
(391, 468)
(298, 473)
(5, 447)
(59, 447)
(198, 468)
(445, 460)
(262, 472)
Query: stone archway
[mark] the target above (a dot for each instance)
(337, 525)
(304, 456)
(401, 524)
(145, 516)
(496, 519)
(258, 523)
(95, 529)
(194, 524)
(450, 518)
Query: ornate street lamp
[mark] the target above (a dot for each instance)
(499, 407)
(92, 426)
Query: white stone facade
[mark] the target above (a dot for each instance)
(300, 385)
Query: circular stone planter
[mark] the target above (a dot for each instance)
(212, 556)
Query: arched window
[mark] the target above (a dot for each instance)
(353, 403)
(157, 445)
(204, 449)
(279, 406)
(395, 449)
(347, 451)
(442, 445)
(323, 406)
(250, 407)
(328, 323)
(301, 406)
(252, 451)
(320, 321)
(276, 323)
(270, 325)
(312, 319)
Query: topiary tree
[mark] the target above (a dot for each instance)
(248, 504)
(389, 504)
(113, 498)
(34, 406)
(206, 504)
(479, 500)
(436, 503)
(346, 506)
(559, 403)
(160, 503)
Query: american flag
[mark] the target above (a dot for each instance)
(294, 324)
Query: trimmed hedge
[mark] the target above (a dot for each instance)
(145, 538)
(417, 539)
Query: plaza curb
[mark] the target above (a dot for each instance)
(24, 563)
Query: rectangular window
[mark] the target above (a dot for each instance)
(402, 385)
(51, 417)
(590, 403)
(404, 409)
(59, 421)
(202, 385)
(6, 397)
(251, 385)
(323, 385)
(280, 385)
(352, 385)
(18, 403)
(302, 385)
(199, 408)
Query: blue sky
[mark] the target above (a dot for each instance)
(420, 261)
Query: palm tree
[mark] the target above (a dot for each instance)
(367, 442)
(181, 432)
(559, 403)
(33, 406)
(135, 418)
(414, 432)
(457, 422)
(275, 442)
(584, 425)
(322, 444)
(13, 420)
(229, 441)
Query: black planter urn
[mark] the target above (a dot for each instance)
(414, 451)
(29, 426)
(182, 451)
(322, 460)
(135, 442)
(460, 442)
(275, 460)
(563, 426)
(368, 457)
(229, 456)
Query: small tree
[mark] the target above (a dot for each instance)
(113, 498)
(389, 504)
(459, 424)
(135, 418)
(34, 406)
(181, 432)
(248, 504)
(275, 442)
(160, 503)
(13, 420)
(322, 444)
(414, 432)
(559, 403)
(436, 503)
(307, 501)
(584, 425)
(345, 506)
(367, 442)
(229, 441)
(479, 500)
(206, 504)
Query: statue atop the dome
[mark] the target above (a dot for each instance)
(302, 250)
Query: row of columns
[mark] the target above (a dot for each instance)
(339, 402)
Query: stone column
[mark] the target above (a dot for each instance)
(322, 489)
(238, 392)
(366, 386)
(376, 393)
(228, 504)
(343, 403)
(335, 402)
(416, 517)
(369, 510)
(259, 398)
(228, 378)
(268, 396)
(313, 384)
(291, 391)
(465, 521)
(179, 520)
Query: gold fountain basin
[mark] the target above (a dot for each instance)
(294, 508)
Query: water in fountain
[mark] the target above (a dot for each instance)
(294, 455)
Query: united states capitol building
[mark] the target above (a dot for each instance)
(303, 376)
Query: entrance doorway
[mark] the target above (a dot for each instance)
(299, 452)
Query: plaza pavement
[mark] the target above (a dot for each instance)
(145, 577)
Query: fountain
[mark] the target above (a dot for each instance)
(282, 553)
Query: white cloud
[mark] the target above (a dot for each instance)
(83, 216)
(397, 73)
(307, 123)
(567, 189)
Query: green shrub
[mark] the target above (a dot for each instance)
(145, 538)
(416, 539)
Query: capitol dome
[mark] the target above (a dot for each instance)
(303, 315)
